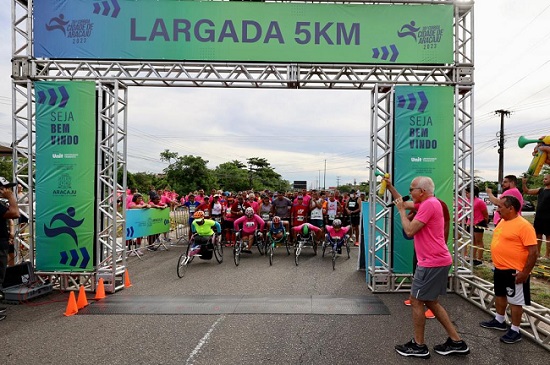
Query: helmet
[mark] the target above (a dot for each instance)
(305, 230)
(276, 219)
(249, 212)
(199, 214)
(337, 223)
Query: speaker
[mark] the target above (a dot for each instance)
(19, 274)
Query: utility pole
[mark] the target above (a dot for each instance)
(325, 177)
(337, 181)
(501, 147)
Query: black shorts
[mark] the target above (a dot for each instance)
(354, 220)
(505, 286)
(480, 227)
(542, 226)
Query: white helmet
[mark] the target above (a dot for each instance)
(249, 212)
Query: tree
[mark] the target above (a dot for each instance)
(232, 176)
(262, 176)
(188, 173)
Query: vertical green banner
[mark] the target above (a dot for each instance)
(424, 146)
(65, 175)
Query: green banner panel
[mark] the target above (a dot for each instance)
(243, 31)
(146, 222)
(65, 175)
(424, 146)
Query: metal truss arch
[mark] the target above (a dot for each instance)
(113, 78)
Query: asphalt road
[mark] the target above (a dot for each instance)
(38, 333)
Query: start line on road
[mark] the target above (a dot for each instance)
(238, 304)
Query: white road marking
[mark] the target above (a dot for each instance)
(203, 341)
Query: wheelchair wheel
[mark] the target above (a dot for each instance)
(183, 262)
(348, 249)
(314, 247)
(237, 252)
(334, 257)
(298, 251)
(260, 244)
(288, 245)
(269, 252)
(325, 244)
(218, 250)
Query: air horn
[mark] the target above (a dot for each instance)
(539, 157)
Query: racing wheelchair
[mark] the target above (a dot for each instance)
(203, 247)
(241, 246)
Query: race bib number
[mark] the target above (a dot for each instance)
(250, 224)
(351, 205)
(336, 237)
(300, 218)
(331, 216)
(265, 216)
(191, 209)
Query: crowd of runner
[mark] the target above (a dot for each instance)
(319, 208)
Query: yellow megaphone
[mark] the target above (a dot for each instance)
(382, 189)
(522, 141)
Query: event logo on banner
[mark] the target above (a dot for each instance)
(424, 146)
(65, 175)
(146, 222)
(244, 31)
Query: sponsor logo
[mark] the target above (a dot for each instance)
(79, 30)
(416, 159)
(427, 35)
(64, 186)
(429, 159)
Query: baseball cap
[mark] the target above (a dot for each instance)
(5, 183)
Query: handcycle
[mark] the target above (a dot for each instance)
(303, 241)
(241, 245)
(272, 243)
(336, 243)
(205, 249)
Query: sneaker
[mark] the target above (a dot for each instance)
(429, 314)
(356, 244)
(3, 310)
(494, 324)
(452, 347)
(2, 317)
(407, 302)
(511, 337)
(339, 250)
(477, 262)
(412, 349)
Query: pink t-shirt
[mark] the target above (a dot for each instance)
(333, 234)
(513, 192)
(429, 242)
(249, 225)
(479, 207)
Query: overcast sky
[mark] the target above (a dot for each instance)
(299, 131)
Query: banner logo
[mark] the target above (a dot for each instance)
(69, 225)
(79, 30)
(385, 53)
(64, 186)
(429, 35)
(409, 30)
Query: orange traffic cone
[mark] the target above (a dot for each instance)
(100, 291)
(127, 282)
(71, 305)
(82, 301)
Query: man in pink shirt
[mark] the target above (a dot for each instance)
(434, 261)
(509, 187)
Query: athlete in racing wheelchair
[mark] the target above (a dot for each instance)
(336, 237)
(203, 243)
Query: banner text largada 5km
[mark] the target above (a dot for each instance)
(242, 31)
